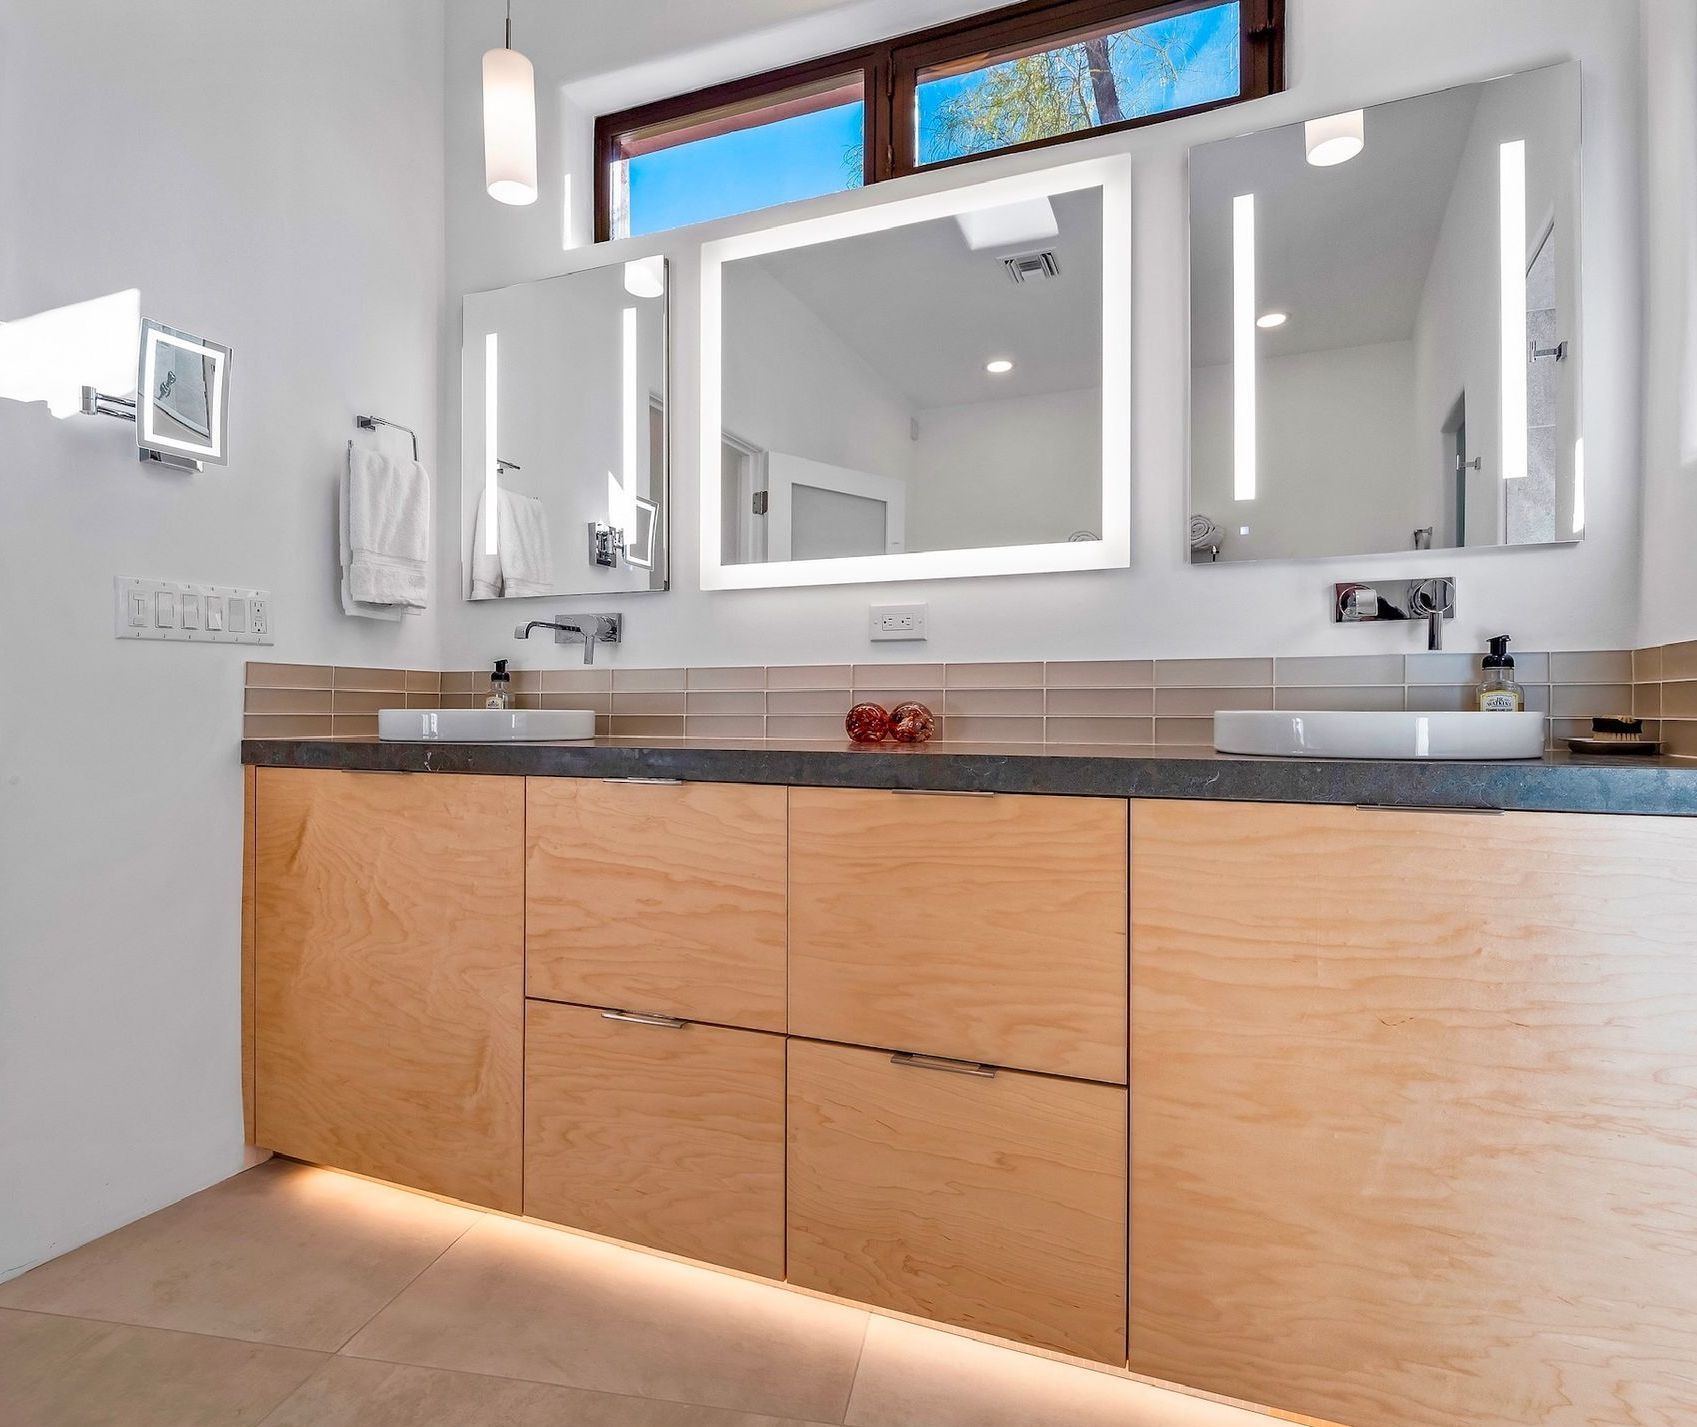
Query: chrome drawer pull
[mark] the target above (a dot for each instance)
(1427, 808)
(640, 1018)
(657, 782)
(945, 792)
(937, 1062)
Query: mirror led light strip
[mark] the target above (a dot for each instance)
(1243, 346)
(491, 463)
(1512, 249)
(1113, 551)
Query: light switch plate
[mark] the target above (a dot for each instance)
(190, 613)
(897, 621)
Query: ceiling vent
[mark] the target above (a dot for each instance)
(1032, 267)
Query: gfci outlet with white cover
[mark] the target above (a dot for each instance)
(189, 613)
(897, 621)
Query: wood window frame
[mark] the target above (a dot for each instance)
(890, 72)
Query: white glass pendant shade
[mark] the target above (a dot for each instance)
(1335, 139)
(509, 126)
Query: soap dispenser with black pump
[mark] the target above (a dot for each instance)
(1498, 691)
(500, 688)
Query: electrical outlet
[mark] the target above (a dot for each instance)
(897, 621)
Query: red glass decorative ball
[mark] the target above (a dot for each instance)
(867, 723)
(912, 723)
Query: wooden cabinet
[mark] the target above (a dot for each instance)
(993, 1202)
(388, 943)
(666, 1135)
(666, 898)
(985, 928)
(1414, 1119)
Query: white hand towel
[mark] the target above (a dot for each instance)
(485, 564)
(388, 530)
(523, 561)
(527, 560)
(351, 606)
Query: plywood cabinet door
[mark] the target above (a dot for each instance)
(992, 1202)
(1414, 1115)
(981, 928)
(666, 1135)
(658, 897)
(388, 920)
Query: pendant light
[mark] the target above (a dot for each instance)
(1336, 139)
(509, 122)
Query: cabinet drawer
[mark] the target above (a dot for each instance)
(657, 897)
(996, 1203)
(669, 1136)
(389, 996)
(981, 928)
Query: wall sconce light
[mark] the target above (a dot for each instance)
(509, 122)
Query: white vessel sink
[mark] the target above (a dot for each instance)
(484, 725)
(1333, 733)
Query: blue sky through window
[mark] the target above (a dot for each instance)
(799, 157)
(1168, 64)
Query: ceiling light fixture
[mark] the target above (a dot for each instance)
(999, 366)
(509, 122)
(1270, 320)
(1336, 139)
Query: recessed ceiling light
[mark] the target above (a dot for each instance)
(1272, 319)
(997, 367)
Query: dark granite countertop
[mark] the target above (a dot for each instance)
(1554, 783)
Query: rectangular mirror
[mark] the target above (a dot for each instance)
(930, 387)
(1385, 349)
(564, 477)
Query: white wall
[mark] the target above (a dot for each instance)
(1347, 482)
(1670, 322)
(270, 175)
(1012, 472)
(1344, 54)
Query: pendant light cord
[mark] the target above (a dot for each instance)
(509, 24)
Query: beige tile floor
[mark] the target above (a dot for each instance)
(295, 1297)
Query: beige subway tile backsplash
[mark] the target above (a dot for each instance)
(1334, 671)
(1129, 701)
(971, 700)
(1201, 703)
(809, 676)
(1213, 673)
(287, 701)
(289, 676)
(725, 701)
(1385, 699)
(1103, 673)
(1100, 703)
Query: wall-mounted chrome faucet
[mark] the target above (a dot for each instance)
(586, 629)
(1433, 600)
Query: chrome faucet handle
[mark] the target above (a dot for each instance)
(588, 630)
(1431, 600)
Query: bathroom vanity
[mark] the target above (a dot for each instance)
(1386, 1105)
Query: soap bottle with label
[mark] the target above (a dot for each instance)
(500, 687)
(1498, 691)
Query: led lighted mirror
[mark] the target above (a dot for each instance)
(563, 422)
(1385, 346)
(182, 396)
(933, 387)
